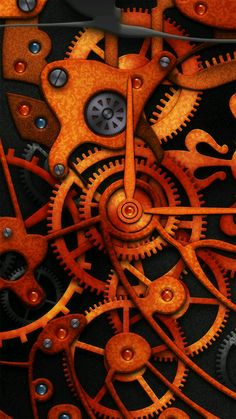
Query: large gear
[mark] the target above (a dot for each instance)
(134, 377)
(177, 106)
(209, 331)
(225, 369)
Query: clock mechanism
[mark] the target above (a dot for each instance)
(117, 228)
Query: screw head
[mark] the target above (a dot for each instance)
(47, 343)
(59, 169)
(58, 77)
(41, 389)
(27, 5)
(41, 123)
(75, 323)
(7, 232)
(35, 47)
(164, 62)
(64, 416)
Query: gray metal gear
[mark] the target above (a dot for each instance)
(106, 113)
(224, 370)
(7, 261)
(34, 191)
(23, 315)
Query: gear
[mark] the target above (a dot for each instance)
(23, 315)
(206, 338)
(74, 259)
(106, 113)
(37, 193)
(72, 288)
(175, 110)
(225, 372)
(132, 346)
(7, 262)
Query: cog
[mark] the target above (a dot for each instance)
(74, 259)
(28, 181)
(23, 315)
(178, 106)
(206, 338)
(225, 370)
(22, 332)
(142, 242)
(129, 380)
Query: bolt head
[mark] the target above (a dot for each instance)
(27, 6)
(41, 389)
(75, 323)
(164, 62)
(47, 343)
(7, 232)
(58, 77)
(59, 169)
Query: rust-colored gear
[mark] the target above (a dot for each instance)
(142, 242)
(165, 187)
(73, 260)
(177, 106)
(130, 365)
(60, 307)
(209, 259)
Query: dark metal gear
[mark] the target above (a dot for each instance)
(106, 113)
(225, 368)
(33, 151)
(21, 314)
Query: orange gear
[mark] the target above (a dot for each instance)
(60, 307)
(127, 354)
(178, 106)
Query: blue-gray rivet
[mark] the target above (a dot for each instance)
(26, 5)
(41, 123)
(41, 389)
(7, 232)
(35, 47)
(58, 77)
(47, 343)
(64, 416)
(59, 169)
(164, 62)
(75, 323)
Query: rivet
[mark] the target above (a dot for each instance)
(20, 67)
(59, 169)
(7, 232)
(164, 62)
(47, 343)
(200, 9)
(24, 109)
(137, 83)
(35, 47)
(41, 389)
(41, 123)
(75, 323)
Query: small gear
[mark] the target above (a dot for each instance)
(23, 315)
(224, 361)
(106, 113)
(37, 193)
(137, 378)
(7, 262)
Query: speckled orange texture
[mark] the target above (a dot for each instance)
(9, 9)
(219, 14)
